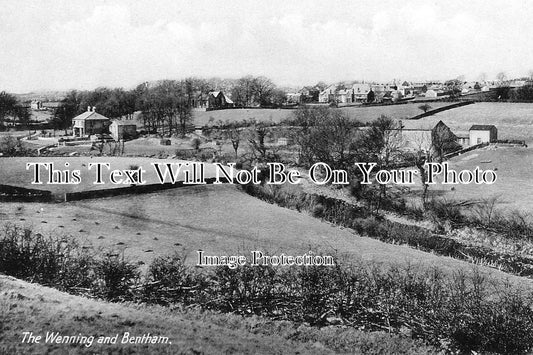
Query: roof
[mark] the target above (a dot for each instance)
(90, 115)
(482, 127)
(228, 100)
(422, 124)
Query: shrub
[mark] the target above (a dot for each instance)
(114, 278)
(169, 280)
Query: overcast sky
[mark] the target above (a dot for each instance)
(68, 44)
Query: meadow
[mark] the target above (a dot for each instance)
(219, 219)
(363, 114)
(513, 120)
(14, 172)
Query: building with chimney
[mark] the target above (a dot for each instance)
(89, 123)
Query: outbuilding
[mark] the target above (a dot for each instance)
(483, 134)
(123, 130)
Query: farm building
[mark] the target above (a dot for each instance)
(122, 130)
(89, 123)
(483, 134)
(425, 134)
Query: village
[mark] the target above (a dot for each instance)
(128, 124)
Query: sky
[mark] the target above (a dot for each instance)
(77, 44)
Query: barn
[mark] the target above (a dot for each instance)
(483, 134)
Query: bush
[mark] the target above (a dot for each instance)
(169, 280)
(50, 261)
(114, 278)
(458, 313)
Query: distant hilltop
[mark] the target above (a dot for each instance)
(45, 96)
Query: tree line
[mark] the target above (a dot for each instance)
(12, 109)
(166, 105)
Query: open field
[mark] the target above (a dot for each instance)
(513, 120)
(145, 226)
(14, 172)
(360, 113)
(513, 187)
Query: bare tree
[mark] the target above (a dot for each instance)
(235, 136)
(501, 76)
(425, 107)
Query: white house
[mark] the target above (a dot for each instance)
(483, 134)
(89, 123)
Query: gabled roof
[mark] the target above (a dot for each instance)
(422, 124)
(228, 100)
(482, 127)
(90, 115)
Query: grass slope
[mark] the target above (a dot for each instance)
(221, 220)
(30, 307)
(360, 113)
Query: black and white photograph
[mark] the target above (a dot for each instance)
(266, 177)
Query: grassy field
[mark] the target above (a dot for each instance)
(30, 307)
(217, 219)
(513, 120)
(14, 171)
(513, 188)
(360, 113)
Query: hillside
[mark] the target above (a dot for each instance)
(218, 219)
(28, 307)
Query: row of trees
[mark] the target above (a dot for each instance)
(329, 136)
(167, 104)
(257, 91)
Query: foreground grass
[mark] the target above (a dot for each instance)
(458, 312)
(30, 307)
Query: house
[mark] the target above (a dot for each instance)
(89, 123)
(122, 130)
(36, 105)
(430, 93)
(483, 134)
(309, 94)
(328, 94)
(293, 97)
(425, 134)
(360, 92)
(343, 96)
(218, 100)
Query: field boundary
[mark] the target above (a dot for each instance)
(133, 189)
(441, 109)
(9, 193)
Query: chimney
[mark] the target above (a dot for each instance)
(94, 108)
(88, 108)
